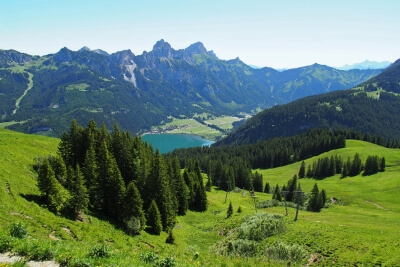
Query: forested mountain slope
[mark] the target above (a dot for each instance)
(139, 91)
(372, 107)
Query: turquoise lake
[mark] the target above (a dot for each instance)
(168, 142)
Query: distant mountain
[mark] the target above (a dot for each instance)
(140, 91)
(372, 107)
(373, 65)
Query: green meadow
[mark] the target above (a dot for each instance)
(361, 229)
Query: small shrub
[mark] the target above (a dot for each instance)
(242, 247)
(18, 230)
(167, 262)
(34, 250)
(102, 251)
(149, 257)
(133, 226)
(261, 226)
(5, 243)
(285, 252)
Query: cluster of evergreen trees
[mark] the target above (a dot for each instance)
(120, 176)
(314, 201)
(329, 166)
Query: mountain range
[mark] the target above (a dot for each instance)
(44, 93)
(372, 108)
(367, 64)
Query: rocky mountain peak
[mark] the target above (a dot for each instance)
(162, 49)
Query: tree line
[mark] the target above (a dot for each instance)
(329, 166)
(120, 176)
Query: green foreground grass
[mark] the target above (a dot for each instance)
(361, 229)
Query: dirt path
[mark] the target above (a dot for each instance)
(30, 85)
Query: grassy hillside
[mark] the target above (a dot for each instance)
(363, 226)
(364, 230)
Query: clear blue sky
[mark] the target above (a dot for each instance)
(274, 33)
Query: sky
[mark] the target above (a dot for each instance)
(273, 33)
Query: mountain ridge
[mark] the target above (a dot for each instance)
(371, 107)
(140, 91)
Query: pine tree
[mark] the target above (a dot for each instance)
(79, 198)
(53, 192)
(291, 187)
(356, 166)
(200, 193)
(229, 212)
(91, 173)
(309, 173)
(181, 189)
(382, 164)
(314, 201)
(267, 188)
(257, 182)
(159, 186)
(153, 219)
(277, 193)
(239, 210)
(323, 198)
(302, 171)
(132, 207)
(59, 168)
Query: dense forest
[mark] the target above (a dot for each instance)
(231, 166)
(120, 176)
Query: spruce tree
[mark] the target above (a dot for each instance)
(91, 173)
(181, 189)
(132, 207)
(302, 171)
(229, 212)
(267, 188)
(79, 198)
(323, 198)
(314, 202)
(171, 238)
(382, 164)
(53, 192)
(159, 186)
(153, 218)
(277, 193)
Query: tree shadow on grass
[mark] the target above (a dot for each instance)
(34, 198)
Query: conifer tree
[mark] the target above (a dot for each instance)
(132, 207)
(356, 166)
(309, 173)
(291, 187)
(382, 164)
(181, 189)
(53, 192)
(59, 168)
(200, 192)
(277, 193)
(159, 186)
(267, 188)
(314, 201)
(153, 219)
(302, 171)
(79, 198)
(229, 212)
(257, 182)
(323, 198)
(91, 172)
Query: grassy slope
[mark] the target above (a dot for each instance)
(358, 232)
(364, 226)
